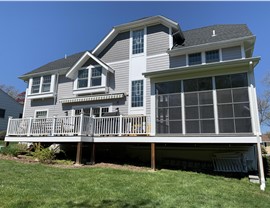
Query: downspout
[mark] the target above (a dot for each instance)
(55, 90)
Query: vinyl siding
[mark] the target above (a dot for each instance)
(231, 53)
(148, 97)
(157, 39)
(117, 50)
(177, 61)
(157, 63)
(119, 83)
(11, 107)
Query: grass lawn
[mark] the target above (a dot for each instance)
(36, 185)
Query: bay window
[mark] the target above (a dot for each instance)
(41, 86)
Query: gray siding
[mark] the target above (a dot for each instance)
(157, 39)
(231, 53)
(119, 82)
(65, 89)
(157, 63)
(178, 61)
(11, 107)
(117, 50)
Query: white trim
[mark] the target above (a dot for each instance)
(184, 139)
(243, 51)
(215, 106)
(104, 40)
(183, 108)
(118, 62)
(170, 38)
(40, 95)
(87, 90)
(157, 55)
(50, 139)
(82, 60)
(41, 110)
(153, 108)
(25, 100)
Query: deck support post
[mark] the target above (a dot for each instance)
(79, 154)
(260, 167)
(153, 156)
(93, 154)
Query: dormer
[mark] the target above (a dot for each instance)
(89, 75)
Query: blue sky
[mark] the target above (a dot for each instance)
(35, 33)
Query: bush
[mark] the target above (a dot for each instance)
(266, 165)
(44, 155)
(263, 150)
(2, 135)
(14, 150)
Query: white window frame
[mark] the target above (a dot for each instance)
(144, 41)
(89, 88)
(143, 94)
(41, 94)
(42, 110)
(100, 106)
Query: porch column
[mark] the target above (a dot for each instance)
(260, 166)
(153, 156)
(79, 154)
(93, 154)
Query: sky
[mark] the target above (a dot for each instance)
(35, 33)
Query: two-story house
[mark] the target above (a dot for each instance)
(150, 82)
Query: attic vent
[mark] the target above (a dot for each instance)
(214, 33)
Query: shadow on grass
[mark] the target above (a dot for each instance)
(113, 203)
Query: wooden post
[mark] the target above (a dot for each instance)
(153, 156)
(93, 154)
(6, 144)
(79, 154)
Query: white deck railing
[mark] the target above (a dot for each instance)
(80, 125)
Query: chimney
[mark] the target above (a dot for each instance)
(65, 56)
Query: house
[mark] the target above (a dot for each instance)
(149, 82)
(8, 107)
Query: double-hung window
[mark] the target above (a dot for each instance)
(36, 85)
(195, 58)
(82, 78)
(137, 41)
(41, 114)
(96, 76)
(46, 85)
(137, 93)
(89, 77)
(41, 84)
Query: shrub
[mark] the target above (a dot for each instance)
(14, 150)
(266, 164)
(263, 150)
(44, 155)
(2, 135)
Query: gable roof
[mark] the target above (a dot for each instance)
(134, 24)
(223, 32)
(7, 96)
(63, 63)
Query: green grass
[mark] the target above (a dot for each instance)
(36, 185)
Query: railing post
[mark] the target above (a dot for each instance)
(81, 124)
(9, 118)
(120, 125)
(29, 126)
(53, 125)
(93, 126)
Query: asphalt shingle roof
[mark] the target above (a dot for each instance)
(223, 32)
(58, 64)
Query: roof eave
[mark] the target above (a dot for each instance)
(196, 68)
(177, 51)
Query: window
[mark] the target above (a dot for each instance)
(36, 85)
(2, 113)
(90, 78)
(137, 41)
(41, 84)
(137, 93)
(169, 113)
(41, 114)
(194, 59)
(233, 104)
(96, 76)
(92, 111)
(199, 108)
(212, 56)
(83, 78)
(46, 84)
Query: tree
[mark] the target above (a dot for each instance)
(10, 90)
(264, 103)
